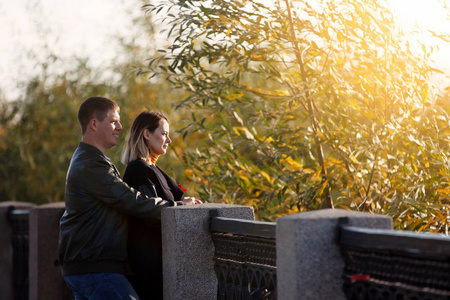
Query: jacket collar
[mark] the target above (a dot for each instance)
(95, 151)
(91, 149)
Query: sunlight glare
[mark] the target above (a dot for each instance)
(426, 14)
(416, 18)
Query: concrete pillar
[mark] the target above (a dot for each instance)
(188, 249)
(309, 263)
(6, 249)
(46, 281)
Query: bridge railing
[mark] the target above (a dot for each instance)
(217, 251)
(19, 219)
(244, 258)
(388, 264)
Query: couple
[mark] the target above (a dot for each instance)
(110, 232)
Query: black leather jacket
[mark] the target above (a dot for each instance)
(94, 227)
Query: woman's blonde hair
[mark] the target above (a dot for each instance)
(136, 146)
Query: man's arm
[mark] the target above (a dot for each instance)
(107, 186)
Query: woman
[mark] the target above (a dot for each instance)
(148, 139)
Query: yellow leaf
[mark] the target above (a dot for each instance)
(353, 158)
(319, 132)
(422, 227)
(266, 176)
(243, 177)
(257, 57)
(269, 139)
(424, 95)
(233, 62)
(279, 93)
(340, 36)
(293, 165)
(316, 177)
(443, 191)
(324, 185)
(441, 217)
(291, 79)
(234, 96)
(435, 230)
(293, 210)
(256, 90)
(223, 18)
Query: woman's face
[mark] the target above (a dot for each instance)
(158, 141)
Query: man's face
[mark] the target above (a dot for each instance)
(108, 130)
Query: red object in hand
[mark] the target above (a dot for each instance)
(184, 190)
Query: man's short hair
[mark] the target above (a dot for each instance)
(95, 107)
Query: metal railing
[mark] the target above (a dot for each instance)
(19, 219)
(388, 264)
(244, 259)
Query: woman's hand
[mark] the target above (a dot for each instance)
(191, 200)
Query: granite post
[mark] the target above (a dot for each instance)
(188, 250)
(46, 280)
(309, 263)
(6, 247)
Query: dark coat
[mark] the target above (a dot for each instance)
(144, 238)
(94, 226)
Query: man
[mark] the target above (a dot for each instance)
(94, 227)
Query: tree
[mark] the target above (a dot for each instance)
(39, 131)
(306, 105)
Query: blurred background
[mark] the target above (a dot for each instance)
(56, 53)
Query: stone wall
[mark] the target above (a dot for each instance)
(45, 279)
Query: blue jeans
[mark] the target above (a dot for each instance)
(99, 286)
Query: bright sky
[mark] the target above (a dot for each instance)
(85, 28)
(427, 14)
(66, 28)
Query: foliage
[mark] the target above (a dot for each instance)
(305, 105)
(39, 132)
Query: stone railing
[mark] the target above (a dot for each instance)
(44, 280)
(309, 264)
